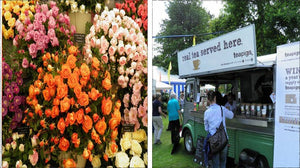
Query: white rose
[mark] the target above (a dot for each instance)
(96, 162)
(19, 164)
(136, 148)
(14, 145)
(5, 164)
(139, 135)
(15, 136)
(21, 147)
(136, 162)
(125, 144)
(122, 159)
(146, 158)
(7, 146)
(122, 12)
(34, 141)
(24, 166)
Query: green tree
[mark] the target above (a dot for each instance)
(276, 21)
(185, 18)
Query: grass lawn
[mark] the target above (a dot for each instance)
(161, 154)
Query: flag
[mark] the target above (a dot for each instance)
(169, 71)
(194, 40)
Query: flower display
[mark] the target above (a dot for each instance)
(13, 11)
(82, 6)
(119, 45)
(138, 10)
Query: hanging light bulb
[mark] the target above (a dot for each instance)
(98, 8)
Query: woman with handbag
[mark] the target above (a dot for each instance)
(214, 123)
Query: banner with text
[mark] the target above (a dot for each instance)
(234, 49)
(287, 125)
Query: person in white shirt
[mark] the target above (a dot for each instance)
(212, 120)
(231, 103)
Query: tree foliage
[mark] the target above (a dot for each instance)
(185, 18)
(276, 21)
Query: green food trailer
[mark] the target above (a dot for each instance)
(230, 61)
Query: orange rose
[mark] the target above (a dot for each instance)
(101, 126)
(65, 71)
(87, 123)
(77, 90)
(48, 112)
(43, 123)
(117, 115)
(47, 77)
(90, 145)
(71, 118)
(56, 140)
(62, 91)
(55, 111)
(31, 91)
(118, 104)
(95, 136)
(95, 117)
(95, 73)
(83, 99)
(106, 106)
(86, 153)
(85, 70)
(63, 144)
(51, 82)
(74, 137)
(114, 147)
(71, 61)
(58, 80)
(114, 133)
(65, 104)
(76, 71)
(61, 125)
(83, 81)
(56, 102)
(105, 157)
(73, 50)
(72, 101)
(80, 116)
(113, 123)
(52, 91)
(73, 80)
(106, 82)
(38, 84)
(95, 63)
(69, 163)
(52, 126)
(94, 94)
(77, 143)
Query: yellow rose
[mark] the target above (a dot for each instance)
(96, 162)
(7, 15)
(139, 135)
(136, 148)
(10, 32)
(7, 7)
(125, 144)
(122, 159)
(11, 22)
(30, 14)
(127, 135)
(22, 17)
(17, 9)
(32, 8)
(109, 152)
(146, 158)
(3, 29)
(136, 162)
(6, 34)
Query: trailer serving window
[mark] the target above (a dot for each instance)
(189, 92)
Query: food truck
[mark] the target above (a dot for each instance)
(230, 60)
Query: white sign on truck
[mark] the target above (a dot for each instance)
(234, 49)
(287, 120)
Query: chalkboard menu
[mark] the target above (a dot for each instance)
(199, 154)
(22, 130)
(128, 127)
(79, 38)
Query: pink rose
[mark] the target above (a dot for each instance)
(121, 48)
(13, 145)
(126, 99)
(133, 114)
(139, 66)
(34, 140)
(61, 18)
(27, 21)
(128, 49)
(105, 26)
(19, 164)
(66, 19)
(145, 103)
(32, 50)
(114, 27)
(98, 43)
(5, 164)
(52, 4)
(39, 44)
(135, 99)
(25, 63)
(121, 80)
(15, 41)
(54, 42)
(145, 70)
(36, 36)
(142, 111)
(112, 58)
(105, 58)
(121, 70)
(55, 11)
(110, 33)
(145, 120)
(44, 8)
(104, 43)
(126, 115)
(93, 42)
(122, 61)
(137, 87)
(136, 56)
(51, 23)
(33, 158)
(113, 41)
(111, 50)
(137, 125)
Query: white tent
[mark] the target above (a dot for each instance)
(161, 86)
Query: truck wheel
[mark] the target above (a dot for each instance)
(188, 142)
(262, 162)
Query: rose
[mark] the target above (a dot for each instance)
(65, 104)
(106, 83)
(62, 91)
(101, 126)
(84, 70)
(61, 125)
(71, 61)
(65, 71)
(73, 80)
(5, 164)
(34, 140)
(122, 159)
(96, 162)
(111, 149)
(69, 163)
(63, 144)
(113, 123)
(25, 63)
(87, 123)
(136, 148)
(136, 162)
(106, 106)
(86, 153)
(139, 135)
(80, 116)
(146, 158)
(33, 158)
(21, 147)
(19, 164)
(14, 145)
(83, 99)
